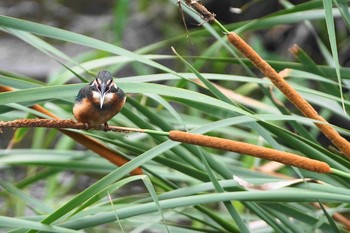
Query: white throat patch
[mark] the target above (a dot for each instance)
(108, 98)
(96, 96)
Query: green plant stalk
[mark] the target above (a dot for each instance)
(223, 29)
(340, 173)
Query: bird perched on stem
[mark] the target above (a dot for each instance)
(99, 101)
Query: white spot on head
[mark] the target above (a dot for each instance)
(94, 83)
(99, 81)
(109, 81)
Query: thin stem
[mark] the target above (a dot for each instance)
(340, 173)
(150, 131)
(70, 124)
(223, 29)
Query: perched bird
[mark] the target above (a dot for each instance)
(99, 101)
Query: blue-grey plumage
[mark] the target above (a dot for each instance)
(99, 101)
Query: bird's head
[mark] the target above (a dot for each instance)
(102, 85)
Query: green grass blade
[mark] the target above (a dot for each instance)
(154, 196)
(15, 223)
(279, 195)
(107, 180)
(229, 205)
(333, 42)
(344, 10)
(329, 218)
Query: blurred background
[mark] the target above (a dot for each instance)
(147, 22)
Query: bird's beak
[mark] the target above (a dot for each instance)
(103, 94)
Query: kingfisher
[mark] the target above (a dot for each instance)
(99, 101)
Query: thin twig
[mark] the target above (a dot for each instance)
(184, 20)
(62, 124)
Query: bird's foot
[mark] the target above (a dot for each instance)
(106, 127)
(87, 126)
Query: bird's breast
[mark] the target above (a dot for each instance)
(89, 111)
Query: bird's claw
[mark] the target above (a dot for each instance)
(87, 126)
(106, 127)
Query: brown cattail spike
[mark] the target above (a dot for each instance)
(253, 150)
(293, 96)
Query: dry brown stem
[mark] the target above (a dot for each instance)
(201, 10)
(245, 148)
(62, 124)
(293, 96)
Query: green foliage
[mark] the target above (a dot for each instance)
(184, 185)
